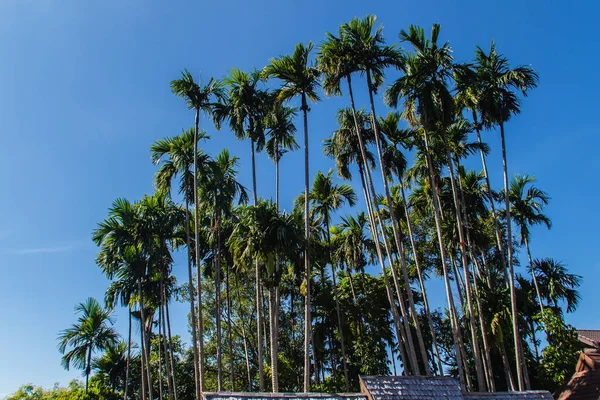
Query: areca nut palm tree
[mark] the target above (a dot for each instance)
(301, 79)
(200, 99)
(92, 332)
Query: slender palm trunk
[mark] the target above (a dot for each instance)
(88, 368)
(485, 336)
(421, 283)
(307, 269)
(164, 337)
(438, 225)
(230, 330)
(197, 255)
(145, 349)
(488, 188)
(127, 368)
(535, 282)
(172, 356)
(487, 363)
(400, 332)
(142, 363)
(273, 331)
(481, 383)
(259, 320)
(520, 359)
(160, 363)
(370, 206)
(192, 305)
(510, 382)
(277, 178)
(337, 310)
(397, 236)
(218, 305)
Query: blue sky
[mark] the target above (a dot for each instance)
(84, 91)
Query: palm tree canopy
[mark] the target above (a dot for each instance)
(280, 131)
(424, 85)
(368, 48)
(343, 145)
(527, 205)
(176, 158)
(198, 97)
(556, 283)
(495, 85)
(298, 75)
(91, 332)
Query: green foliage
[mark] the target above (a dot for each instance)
(562, 352)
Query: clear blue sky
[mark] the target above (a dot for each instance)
(84, 91)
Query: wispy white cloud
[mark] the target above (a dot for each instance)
(38, 250)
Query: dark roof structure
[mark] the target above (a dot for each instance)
(585, 383)
(590, 338)
(410, 388)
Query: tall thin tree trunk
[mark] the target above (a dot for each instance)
(230, 330)
(507, 371)
(490, 197)
(337, 310)
(87, 369)
(535, 282)
(421, 283)
(487, 363)
(520, 359)
(307, 269)
(273, 329)
(197, 255)
(192, 305)
(400, 332)
(438, 226)
(142, 362)
(164, 336)
(370, 206)
(481, 384)
(218, 305)
(127, 368)
(397, 236)
(485, 336)
(259, 321)
(145, 349)
(160, 364)
(172, 356)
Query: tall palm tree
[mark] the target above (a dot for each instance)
(91, 333)
(527, 204)
(281, 134)
(556, 283)
(301, 79)
(178, 157)
(123, 241)
(218, 192)
(326, 197)
(339, 58)
(428, 103)
(496, 103)
(200, 99)
(265, 234)
(245, 107)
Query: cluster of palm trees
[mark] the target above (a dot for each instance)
(247, 263)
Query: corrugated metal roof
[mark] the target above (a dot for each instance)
(410, 388)
(589, 337)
